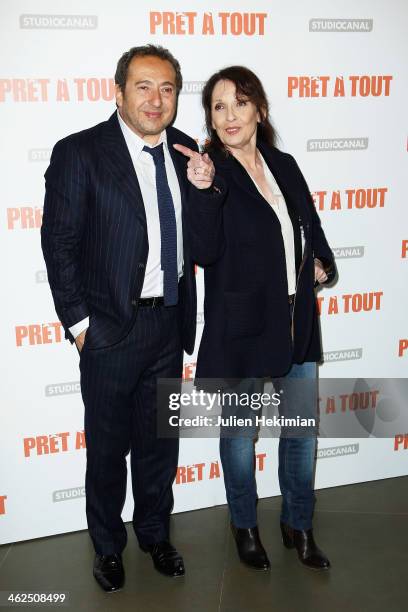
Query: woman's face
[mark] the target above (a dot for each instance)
(234, 119)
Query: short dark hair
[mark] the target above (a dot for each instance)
(247, 84)
(143, 51)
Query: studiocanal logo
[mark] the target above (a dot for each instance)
(343, 355)
(39, 155)
(326, 145)
(67, 388)
(340, 25)
(192, 87)
(338, 451)
(349, 252)
(58, 22)
(41, 276)
(66, 494)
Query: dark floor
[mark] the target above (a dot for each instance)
(363, 528)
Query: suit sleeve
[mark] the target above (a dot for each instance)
(64, 218)
(320, 246)
(205, 221)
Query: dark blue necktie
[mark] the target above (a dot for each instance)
(168, 228)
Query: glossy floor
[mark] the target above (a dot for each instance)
(363, 529)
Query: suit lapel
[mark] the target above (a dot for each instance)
(245, 182)
(116, 157)
(284, 177)
(285, 181)
(239, 174)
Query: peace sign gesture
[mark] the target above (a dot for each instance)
(200, 169)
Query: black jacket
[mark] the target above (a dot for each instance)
(248, 330)
(94, 234)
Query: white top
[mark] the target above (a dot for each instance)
(279, 207)
(146, 175)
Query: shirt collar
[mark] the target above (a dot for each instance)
(134, 142)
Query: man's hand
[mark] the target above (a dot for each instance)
(320, 274)
(200, 169)
(79, 340)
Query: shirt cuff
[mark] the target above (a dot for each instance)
(79, 327)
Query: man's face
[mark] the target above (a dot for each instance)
(148, 104)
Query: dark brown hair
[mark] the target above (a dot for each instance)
(156, 51)
(247, 84)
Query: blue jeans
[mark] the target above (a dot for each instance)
(296, 471)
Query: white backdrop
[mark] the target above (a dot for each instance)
(336, 79)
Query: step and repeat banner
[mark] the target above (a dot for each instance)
(335, 75)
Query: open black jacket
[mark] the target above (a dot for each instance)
(248, 330)
(94, 234)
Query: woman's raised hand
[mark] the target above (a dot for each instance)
(200, 168)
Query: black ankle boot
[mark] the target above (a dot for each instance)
(309, 554)
(250, 549)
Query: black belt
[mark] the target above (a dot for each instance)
(151, 302)
(291, 298)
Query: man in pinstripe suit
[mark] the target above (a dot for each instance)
(118, 253)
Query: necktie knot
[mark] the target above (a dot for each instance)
(156, 152)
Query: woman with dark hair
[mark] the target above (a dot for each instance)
(260, 310)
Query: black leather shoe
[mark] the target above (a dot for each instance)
(250, 549)
(166, 559)
(109, 573)
(308, 553)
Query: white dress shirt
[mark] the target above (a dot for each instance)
(146, 174)
(279, 207)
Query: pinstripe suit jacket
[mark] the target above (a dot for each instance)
(94, 235)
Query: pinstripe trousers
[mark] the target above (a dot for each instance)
(118, 386)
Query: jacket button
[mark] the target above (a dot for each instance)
(140, 265)
(134, 302)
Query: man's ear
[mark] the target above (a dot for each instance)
(118, 96)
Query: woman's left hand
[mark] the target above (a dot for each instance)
(320, 274)
(200, 168)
